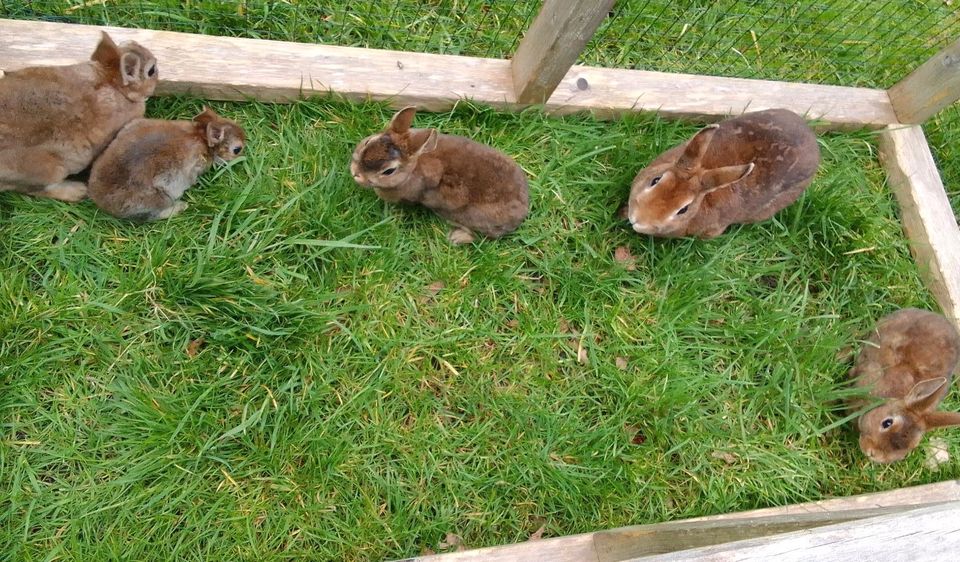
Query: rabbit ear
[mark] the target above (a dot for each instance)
(697, 146)
(429, 144)
(106, 52)
(719, 177)
(923, 395)
(942, 419)
(402, 120)
(130, 67)
(205, 116)
(215, 134)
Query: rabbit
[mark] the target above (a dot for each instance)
(908, 359)
(54, 120)
(476, 188)
(152, 162)
(741, 170)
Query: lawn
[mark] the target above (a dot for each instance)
(292, 369)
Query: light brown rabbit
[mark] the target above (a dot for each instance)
(908, 359)
(476, 188)
(742, 170)
(152, 162)
(54, 120)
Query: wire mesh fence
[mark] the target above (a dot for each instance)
(846, 42)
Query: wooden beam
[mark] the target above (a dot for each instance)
(552, 44)
(927, 217)
(611, 91)
(930, 534)
(228, 68)
(627, 542)
(932, 86)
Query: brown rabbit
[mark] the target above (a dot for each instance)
(476, 188)
(54, 120)
(152, 162)
(908, 359)
(742, 170)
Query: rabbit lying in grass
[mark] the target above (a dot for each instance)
(742, 170)
(474, 187)
(54, 120)
(908, 359)
(152, 162)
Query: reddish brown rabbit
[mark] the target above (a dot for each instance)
(55, 120)
(474, 187)
(152, 162)
(908, 359)
(742, 170)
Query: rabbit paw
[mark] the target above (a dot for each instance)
(71, 191)
(175, 209)
(460, 236)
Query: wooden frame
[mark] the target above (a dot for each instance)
(543, 71)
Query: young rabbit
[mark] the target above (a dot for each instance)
(476, 188)
(908, 359)
(742, 170)
(55, 120)
(152, 162)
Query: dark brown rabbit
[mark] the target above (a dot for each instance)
(152, 162)
(909, 360)
(54, 120)
(474, 187)
(742, 170)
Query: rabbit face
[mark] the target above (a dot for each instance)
(224, 137)
(389, 159)
(132, 68)
(665, 197)
(889, 432)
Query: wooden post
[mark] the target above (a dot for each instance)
(929, 88)
(925, 212)
(552, 44)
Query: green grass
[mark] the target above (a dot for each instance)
(293, 369)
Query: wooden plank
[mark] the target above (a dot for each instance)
(228, 68)
(626, 542)
(929, 533)
(610, 92)
(932, 86)
(927, 217)
(552, 44)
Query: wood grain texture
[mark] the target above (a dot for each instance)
(928, 533)
(228, 68)
(927, 217)
(640, 540)
(609, 91)
(931, 87)
(552, 44)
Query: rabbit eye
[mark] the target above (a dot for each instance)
(885, 424)
(683, 209)
(237, 149)
(655, 180)
(388, 172)
(152, 71)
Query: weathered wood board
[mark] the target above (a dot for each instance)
(931, 87)
(228, 68)
(925, 211)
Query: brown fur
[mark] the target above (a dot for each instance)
(475, 187)
(55, 120)
(743, 170)
(152, 162)
(908, 359)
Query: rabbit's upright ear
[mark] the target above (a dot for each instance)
(720, 177)
(696, 148)
(923, 396)
(130, 64)
(403, 120)
(106, 52)
(429, 143)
